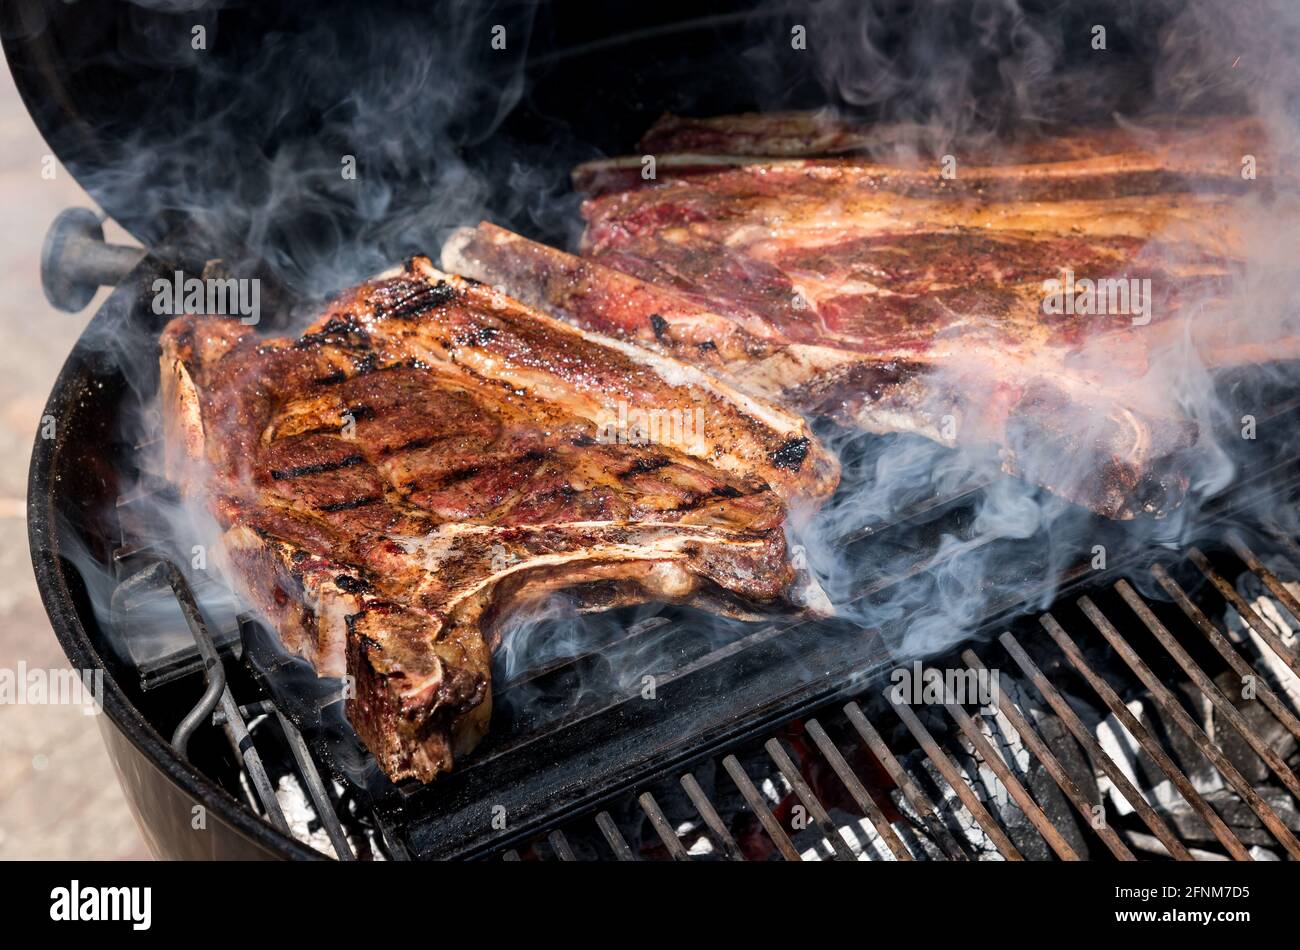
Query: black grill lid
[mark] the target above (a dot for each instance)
(232, 123)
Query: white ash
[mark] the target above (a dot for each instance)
(1260, 655)
(949, 808)
(1118, 743)
(300, 814)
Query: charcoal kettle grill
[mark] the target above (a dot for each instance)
(613, 777)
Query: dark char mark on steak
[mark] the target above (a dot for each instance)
(791, 454)
(350, 505)
(317, 468)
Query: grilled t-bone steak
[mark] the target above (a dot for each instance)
(431, 456)
(894, 299)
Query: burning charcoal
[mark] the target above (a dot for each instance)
(949, 808)
(915, 834)
(1182, 749)
(307, 827)
(858, 832)
(1137, 766)
(999, 802)
(1262, 658)
(1263, 723)
(1063, 745)
(1031, 772)
(1245, 824)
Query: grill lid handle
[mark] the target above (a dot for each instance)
(76, 260)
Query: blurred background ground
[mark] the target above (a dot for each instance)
(59, 796)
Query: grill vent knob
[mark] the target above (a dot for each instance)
(76, 260)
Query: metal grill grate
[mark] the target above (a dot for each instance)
(218, 707)
(1166, 645)
(917, 798)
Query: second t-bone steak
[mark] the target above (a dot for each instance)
(892, 298)
(431, 457)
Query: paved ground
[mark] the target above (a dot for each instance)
(59, 797)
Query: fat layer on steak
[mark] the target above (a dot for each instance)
(431, 457)
(1193, 141)
(1108, 161)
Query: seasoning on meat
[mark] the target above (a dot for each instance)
(431, 457)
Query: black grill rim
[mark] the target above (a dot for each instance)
(77, 404)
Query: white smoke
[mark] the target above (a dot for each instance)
(225, 171)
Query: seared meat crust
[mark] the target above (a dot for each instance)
(431, 457)
(874, 290)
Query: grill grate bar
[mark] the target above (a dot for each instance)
(322, 803)
(662, 827)
(760, 809)
(1246, 612)
(1275, 586)
(712, 820)
(1029, 735)
(1146, 741)
(909, 789)
(316, 788)
(1055, 840)
(1170, 705)
(1209, 690)
(1145, 842)
(237, 731)
(810, 801)
(614, 837)
(560, 845)
(1228, 652)
(219, 707)
(859, 793)
(948, 769)
(217, 693)
(965, 730)
(1086, 739)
